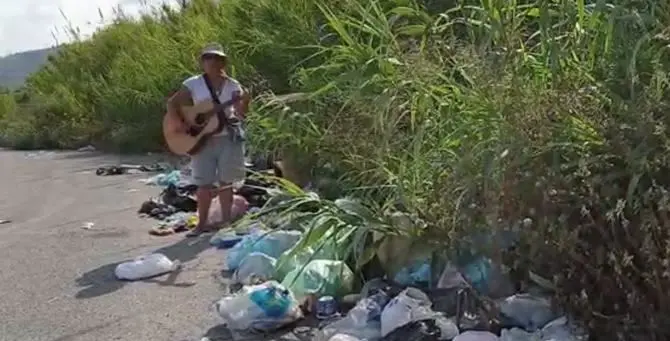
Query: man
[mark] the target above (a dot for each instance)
(221, 160)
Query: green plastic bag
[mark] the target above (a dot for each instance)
(320, 277)
(289, 261)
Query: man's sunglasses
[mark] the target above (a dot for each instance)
(213, 57)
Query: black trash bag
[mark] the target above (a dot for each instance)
(156, 210)
(424, 330)
(471, 311)
(183, 203)
(110, 170)
(254, 191)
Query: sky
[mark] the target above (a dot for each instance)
(34, 24)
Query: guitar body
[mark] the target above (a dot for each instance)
(203, 122)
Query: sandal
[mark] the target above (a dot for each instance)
(161, 231)
(198, 231)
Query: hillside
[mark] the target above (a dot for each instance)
(14, 68)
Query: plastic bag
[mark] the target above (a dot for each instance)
(451, 278)
(415, 274)
(410, 306)
(472, 335)
(264, 307)
(145, 266)
(557, 330)
(225, 239)
(362, 322)
(320, 277)
(272, 244)
(256, 267)
(165, 179)
(404, 308)
(425, 330)
(345, 337)
(488, 278)
(289, 261)
(527, 311)
(517, 334)
(560, 330)
(238, 208)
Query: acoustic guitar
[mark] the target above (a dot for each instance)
(203, 121)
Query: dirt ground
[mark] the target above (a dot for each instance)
(57, 279)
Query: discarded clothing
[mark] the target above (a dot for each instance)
(179, 199)
(156, 210)
(123, 169)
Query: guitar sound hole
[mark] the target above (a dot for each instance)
(200, 119)
(194, 131)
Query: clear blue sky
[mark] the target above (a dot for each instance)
(32, 24)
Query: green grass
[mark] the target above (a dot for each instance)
(470, 115)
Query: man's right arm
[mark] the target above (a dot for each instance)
(179, 99)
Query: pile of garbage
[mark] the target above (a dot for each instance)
(286, 277)
(176, 206)
(283, 282)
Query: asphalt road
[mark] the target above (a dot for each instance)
(57, 279)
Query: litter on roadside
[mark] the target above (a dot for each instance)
(145, 267)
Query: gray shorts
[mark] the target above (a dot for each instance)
(220, 161)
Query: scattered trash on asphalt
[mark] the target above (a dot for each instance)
(88, 148)
(125, 169)
(145, 267)
(42, 154)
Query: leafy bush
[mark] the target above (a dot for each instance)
(545, 116)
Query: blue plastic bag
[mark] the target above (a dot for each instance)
(264, 307)
(415, 274)
(273, 244)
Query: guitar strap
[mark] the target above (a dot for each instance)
(233, 125)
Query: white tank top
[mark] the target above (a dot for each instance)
(199, 92)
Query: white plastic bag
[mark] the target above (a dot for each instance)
(338, 329)
(409, 306)
(255, 267)
(557, 330)
(361, 322)
(344, 337)
(472, 335)
(451, 278)
(530, 312)
(561, 330)
(448, 328)
(264, 307)
(518, 334)
(145, 266)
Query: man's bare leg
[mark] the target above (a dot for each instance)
(204, 197)
(226, 201)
